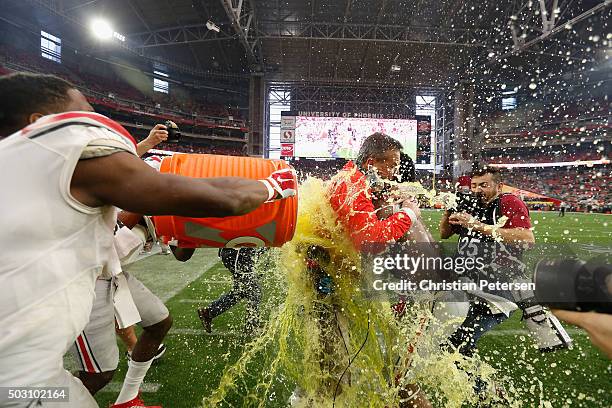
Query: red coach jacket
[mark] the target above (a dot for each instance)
(350, 198)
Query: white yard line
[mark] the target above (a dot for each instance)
(115, 387)
(166, 277)
(525, 332)
(201, 332)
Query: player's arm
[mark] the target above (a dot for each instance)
(129, 219)
(125, 181)
(511, 235)
(446, 229)
(516, 235)
(363, 225)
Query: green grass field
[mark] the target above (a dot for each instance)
(194, 362)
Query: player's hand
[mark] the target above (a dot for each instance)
(158, 134)
(462, 219)
(413, 205)
(281, 184)
(598, 325)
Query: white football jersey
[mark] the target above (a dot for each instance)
(47, 238)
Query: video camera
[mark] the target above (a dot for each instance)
(572, 284)
(174, 133)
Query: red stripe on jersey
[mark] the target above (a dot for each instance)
(89, 367)
(103, 120)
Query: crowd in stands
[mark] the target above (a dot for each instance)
(549, 120)
(323, 169)
(582, 188)
(212, 148)
(560, 112)
(538, 115)
(536, 155)
(120, 95)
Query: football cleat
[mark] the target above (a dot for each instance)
(135, 403)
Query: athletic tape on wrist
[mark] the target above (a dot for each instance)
(271, 192)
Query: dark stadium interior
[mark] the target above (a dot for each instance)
(338, 56)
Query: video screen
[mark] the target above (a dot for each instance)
(336, 137)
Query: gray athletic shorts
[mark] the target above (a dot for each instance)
(95, 350)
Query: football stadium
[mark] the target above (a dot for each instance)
(342, 203)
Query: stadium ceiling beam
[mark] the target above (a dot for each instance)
(243, 21)
(399, 34)
(128, 45)
(283, 79)
(548, 29)
(349, 96)
(188, 34)
(204, 13)
(303, 30)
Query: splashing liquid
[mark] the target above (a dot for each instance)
(339, 348)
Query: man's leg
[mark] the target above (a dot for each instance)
(156, 322)
(128, 337)
(478, 321)
(151, 338)
(230, 258)
(33, 342)
(95, 349)
(248, 283)
(335, 353)
(253, 297)
(226, 301)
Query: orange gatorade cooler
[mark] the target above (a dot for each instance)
(272, 224)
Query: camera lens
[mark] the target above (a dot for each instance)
(572, 284)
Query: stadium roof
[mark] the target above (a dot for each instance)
(345, 41)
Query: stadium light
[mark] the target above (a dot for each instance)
(102, 29)
(212, 26)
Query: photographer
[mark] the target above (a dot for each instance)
(486, 205)
(486, 187)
